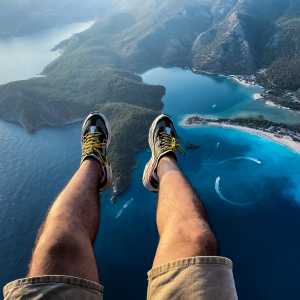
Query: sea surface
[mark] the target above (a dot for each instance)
(249, 185)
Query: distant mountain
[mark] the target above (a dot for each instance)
(224, 36)
(221, 36)
(160, 33)
(253, 35)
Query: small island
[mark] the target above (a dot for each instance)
(287, 135)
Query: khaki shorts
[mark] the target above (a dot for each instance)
(201, 278)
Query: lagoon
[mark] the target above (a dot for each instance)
(213, 96)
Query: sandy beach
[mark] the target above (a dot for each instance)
(242, 81)
(258, 96)
(284, 140)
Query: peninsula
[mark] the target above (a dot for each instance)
(287, 135)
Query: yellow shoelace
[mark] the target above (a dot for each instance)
(169, 142)
(91, 144)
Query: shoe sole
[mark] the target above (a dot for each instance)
(152, 164)
(108, 168)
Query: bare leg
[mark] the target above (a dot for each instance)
(181, 218)
(64, 245)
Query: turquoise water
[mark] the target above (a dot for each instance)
(212, 95)
(249, 185)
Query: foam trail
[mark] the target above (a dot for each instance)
(222, 197)
(255, 160)
(119, 214)
(218, 190)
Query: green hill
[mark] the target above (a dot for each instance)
(130, 125)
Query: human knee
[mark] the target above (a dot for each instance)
(59, 245)
(199, 235)
(208, 244)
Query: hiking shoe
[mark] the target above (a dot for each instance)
(162, 141)
(95, 139)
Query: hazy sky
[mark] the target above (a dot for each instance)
(20, 60)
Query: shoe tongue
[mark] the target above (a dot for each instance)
(93, 129)
(168, 130)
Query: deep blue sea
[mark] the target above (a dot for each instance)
(249, 185)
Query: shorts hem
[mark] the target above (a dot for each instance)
(54, 279)
(189, 261)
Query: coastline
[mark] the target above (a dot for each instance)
(272, 104)
(251, 81)
(284, 140)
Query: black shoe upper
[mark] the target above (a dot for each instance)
(95, 139)
(95, 124)
(163, 137)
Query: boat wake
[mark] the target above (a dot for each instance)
(225, 199)
(120, 213)
(255, 160)
(218, 190)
